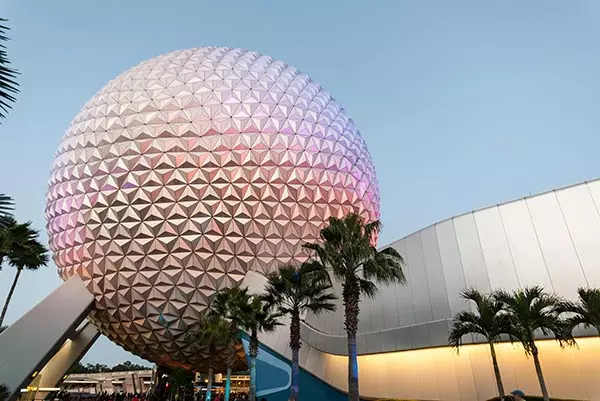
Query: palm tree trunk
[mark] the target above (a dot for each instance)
(538, 370)
(497, 371)
(295, 346)
(253, 353)
(209, 385)
(9, 296)
(351, 294)
(228, 383)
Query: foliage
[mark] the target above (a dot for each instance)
(533, 309)
(213, 333)
(128, 366)
(488, 320)
(347, 250)
(230, 303)
(3, 393)
(7, 205)
(21, 247)
(101, 368)
(182, 378)
(255, 317)
(585, 312)
(8, 85)
(293, 291)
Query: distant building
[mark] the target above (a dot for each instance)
(137, 381)
(239, 383)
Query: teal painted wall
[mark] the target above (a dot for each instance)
(273, 379)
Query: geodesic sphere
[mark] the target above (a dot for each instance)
(187, 171)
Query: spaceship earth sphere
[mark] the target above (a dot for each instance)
(187, 171)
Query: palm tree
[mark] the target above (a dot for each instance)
(229, 304)
(211, 336)
(8, 85)
(488, 321)
(529, 310)
(586, 311)
(19, 244)
(347, 250)
(294, 291)
(257, 316)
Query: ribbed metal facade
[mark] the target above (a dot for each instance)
(551, 240)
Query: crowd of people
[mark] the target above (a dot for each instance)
(105, 396)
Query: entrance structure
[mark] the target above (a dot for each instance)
(37, 350)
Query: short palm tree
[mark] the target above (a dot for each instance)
(8, 86)
(229, 304)
(212, 335)
(531, 310)
(257, 316)
(20, 246)
(294, 291)
(346, 249)
(488, 321)
(584, 312)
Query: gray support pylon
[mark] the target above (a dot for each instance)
(30, 342)
(69, 354)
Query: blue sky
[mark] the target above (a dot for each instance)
(462, 103)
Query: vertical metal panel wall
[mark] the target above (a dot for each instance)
(551, 239)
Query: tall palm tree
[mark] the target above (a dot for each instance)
(532, 310)
(256, 317)
(488, 321)
(212, 336)
(346, 249)
(20, 246)
(229, 304)
(586, 311)
(294, 291)
(8, 85)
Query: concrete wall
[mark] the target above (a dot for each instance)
(110, 381)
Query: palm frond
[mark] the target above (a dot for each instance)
(584, 312)
(8, 85)
(488, 319)
(7, 206)
(20, 246)
(532, 309)
(294, 289)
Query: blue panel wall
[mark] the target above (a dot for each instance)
(274, 377)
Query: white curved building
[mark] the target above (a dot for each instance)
(551, 239)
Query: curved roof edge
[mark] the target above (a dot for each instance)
(561, 188)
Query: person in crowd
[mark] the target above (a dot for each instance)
(518, 395)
